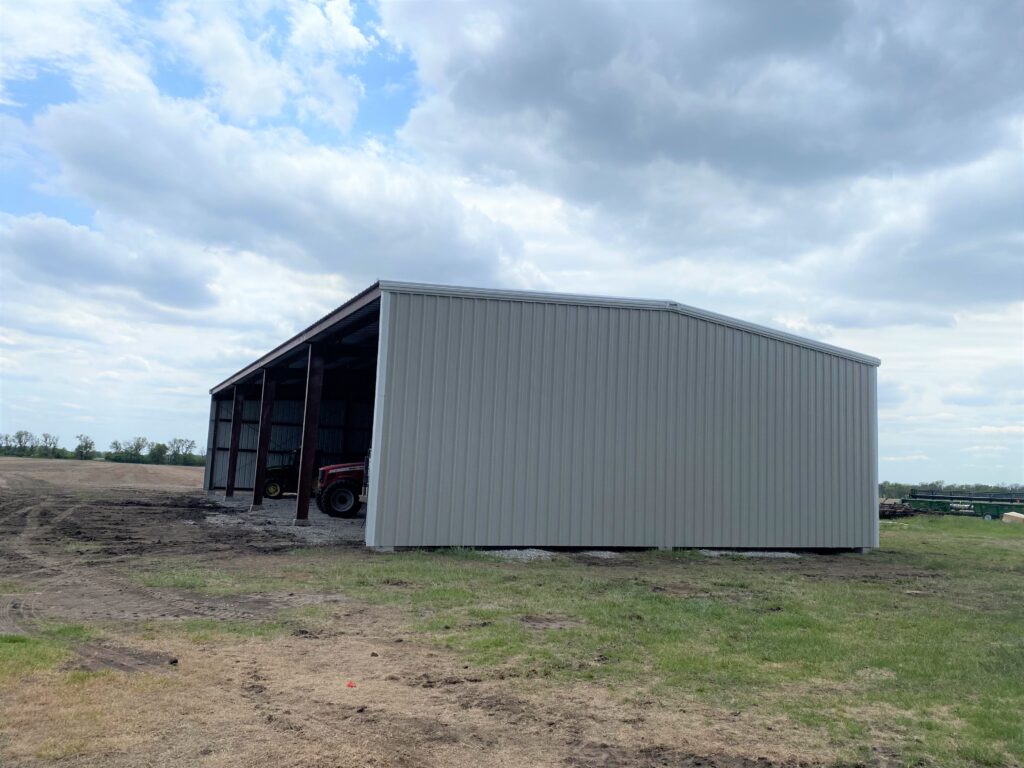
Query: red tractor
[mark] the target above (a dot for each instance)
(341, 489)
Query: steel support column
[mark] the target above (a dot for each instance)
(236, 433)
(267, 394)
(310, 427)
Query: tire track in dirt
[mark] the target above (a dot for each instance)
(70, 590)
(67, 587)
(16, 611)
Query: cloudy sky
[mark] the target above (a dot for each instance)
(186, 184)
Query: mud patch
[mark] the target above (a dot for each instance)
(96, 657)
(692, 592)
(431, 681)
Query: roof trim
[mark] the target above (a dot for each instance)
(624, 303)
(325, 323)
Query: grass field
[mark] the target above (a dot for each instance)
(920, 645)
(912, 655)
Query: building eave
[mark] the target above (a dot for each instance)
(310, 334)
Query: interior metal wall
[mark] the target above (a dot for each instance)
(344, 432)
(504, 422)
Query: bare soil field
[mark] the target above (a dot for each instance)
(98, 474)
(139, 634)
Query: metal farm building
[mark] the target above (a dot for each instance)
(507, 418)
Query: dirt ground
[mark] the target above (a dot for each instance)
(71, 535)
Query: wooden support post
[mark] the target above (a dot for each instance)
(236, 433)
(310, 427)
(263, 441)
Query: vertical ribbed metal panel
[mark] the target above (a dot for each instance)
(248, 435)
(220, 468)
(284, 438)
(251, 410)
(336, 439)
(210, 447)
(504, 422)
(246, 471)
(223, 433)
(288, 412)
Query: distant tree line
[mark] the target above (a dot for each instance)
(137, 450)
(888, 490)
(179, 450)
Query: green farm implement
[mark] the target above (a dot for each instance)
(990, 506)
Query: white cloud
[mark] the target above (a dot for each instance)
(365, 213)
(326, 26)
(51, 249)
(1002, 429)
(258, 74)
(84, 38)
(244, 78)
(849, 172)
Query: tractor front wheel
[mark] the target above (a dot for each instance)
(272, 489)
(340, 500)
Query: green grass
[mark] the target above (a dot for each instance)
(52, 644)
(309, 618)
(209, 581)
(922, 641)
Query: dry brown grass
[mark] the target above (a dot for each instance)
(285, 702)
(98, 474)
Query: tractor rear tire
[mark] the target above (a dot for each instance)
(340, 500)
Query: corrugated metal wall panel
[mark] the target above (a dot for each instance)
(284, 438)
(516, 423)
(334, 443)
(210, 447)
(287, 412)
(251, 410)
(249, 434)
(245, 474)
(223, 433)
(224, 409)
(332, 413)
(220, 468)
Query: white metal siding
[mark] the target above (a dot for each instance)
(504, 422)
